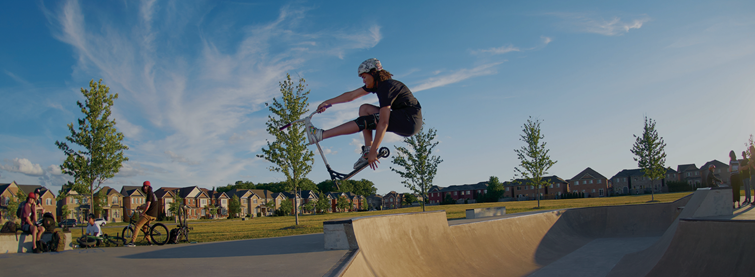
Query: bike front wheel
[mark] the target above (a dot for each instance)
(127, 233)
(159, 234)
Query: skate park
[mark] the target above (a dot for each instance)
(698, 235)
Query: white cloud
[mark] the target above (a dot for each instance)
(546, 40)
(23, 166)
(455, 77)
(498, 50)
(611, 27)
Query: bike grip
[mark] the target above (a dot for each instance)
(284, 127)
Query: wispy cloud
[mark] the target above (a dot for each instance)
(192, 116)
(546, 40)
(598, 25)
(497, 50)
(458, 76)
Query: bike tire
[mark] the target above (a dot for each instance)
(127, 233)
(87, 242)
(159, 234)
(185, 234)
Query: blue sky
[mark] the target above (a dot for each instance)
(193, 78)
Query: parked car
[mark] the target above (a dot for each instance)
(100, 221)
(68, 223)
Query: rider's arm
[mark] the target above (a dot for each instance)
(146, 207)
(345, 97)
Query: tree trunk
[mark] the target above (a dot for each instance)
(652, 190)
(538, 196)
(296, 213)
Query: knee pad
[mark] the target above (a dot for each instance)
(367, 122)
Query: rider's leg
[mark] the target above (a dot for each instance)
(142, 221)
(351, 127)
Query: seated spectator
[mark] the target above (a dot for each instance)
(93, 229)
(29, 220)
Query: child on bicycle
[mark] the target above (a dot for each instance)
(399, 112)
(149, 213)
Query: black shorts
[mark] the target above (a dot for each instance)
(404, 122)
(26, 228)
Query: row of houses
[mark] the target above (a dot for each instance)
(589, 183)
(118, 205)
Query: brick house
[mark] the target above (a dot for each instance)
(375, 202)
(634, 181)
(133, 197)
(392, 200)
(463, 193)
(10, 190)
(248, 200)
(308, 196)
(112, 209)
(220, 200)
(72, 203)
(165, 197)
(521, 189)
(264, 197)
(690, 173)
(434, 195)
(589, 182)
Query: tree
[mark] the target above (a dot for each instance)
(534, 160)
(100, 152)
(419, 166)
(495, 189)
(650, 154)
(286, 207)
(409, 199)
(14, 203)
(343, 204)
(289, 152)
(101, 201)
(234, 207)
(212, 210)
(175, 206)
(323, 203)
(310, 206)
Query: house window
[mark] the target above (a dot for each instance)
(593, 190)
(204, 202)
(551, 185)
(115, 200)
(469, 192)
(558, 185)
(224, 201)
(255, 201)
(455, 193)
(600, 181)
(49, 201)
(601, 192)
(590, 181)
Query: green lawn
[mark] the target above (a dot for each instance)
(265, 227)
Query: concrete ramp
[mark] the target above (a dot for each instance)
(424, 244)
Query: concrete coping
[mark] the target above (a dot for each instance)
(350, 220)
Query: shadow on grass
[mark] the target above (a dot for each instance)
(251, 247)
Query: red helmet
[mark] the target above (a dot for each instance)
(146, 183)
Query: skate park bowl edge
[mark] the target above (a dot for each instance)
(425, 244)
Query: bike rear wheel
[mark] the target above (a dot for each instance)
(159, 234)
(127, 233)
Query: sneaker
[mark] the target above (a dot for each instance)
(36, 250)
(314, 135)
(362, 158)
(130, 245)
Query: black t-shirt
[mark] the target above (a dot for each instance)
(395, 94)
(745, 167)
(152, 200)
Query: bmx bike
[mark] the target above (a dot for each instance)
(155, 233)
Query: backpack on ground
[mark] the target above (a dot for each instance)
(173, 238)
(58, 242)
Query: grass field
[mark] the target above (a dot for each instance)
(265, 227)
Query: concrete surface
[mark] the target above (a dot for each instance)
(24, 243)
(287, 256)
(632, 240)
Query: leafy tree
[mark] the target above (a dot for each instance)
(650, 154)
(14, 203)
(448, 200)
(175, 206)
(323, 203)
(100, 152)
(234, 207)
(343, 204)
(748, 144)
(495, 189)
(286, 207)
(409, 199)
(310, 206)
(212, 210)
(534, 160)
(101, 201)
(289, 152)
(419, 166)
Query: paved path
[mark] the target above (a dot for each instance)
(301, 255)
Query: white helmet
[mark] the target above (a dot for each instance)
(368, 65)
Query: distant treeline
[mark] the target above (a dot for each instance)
(361, 187)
